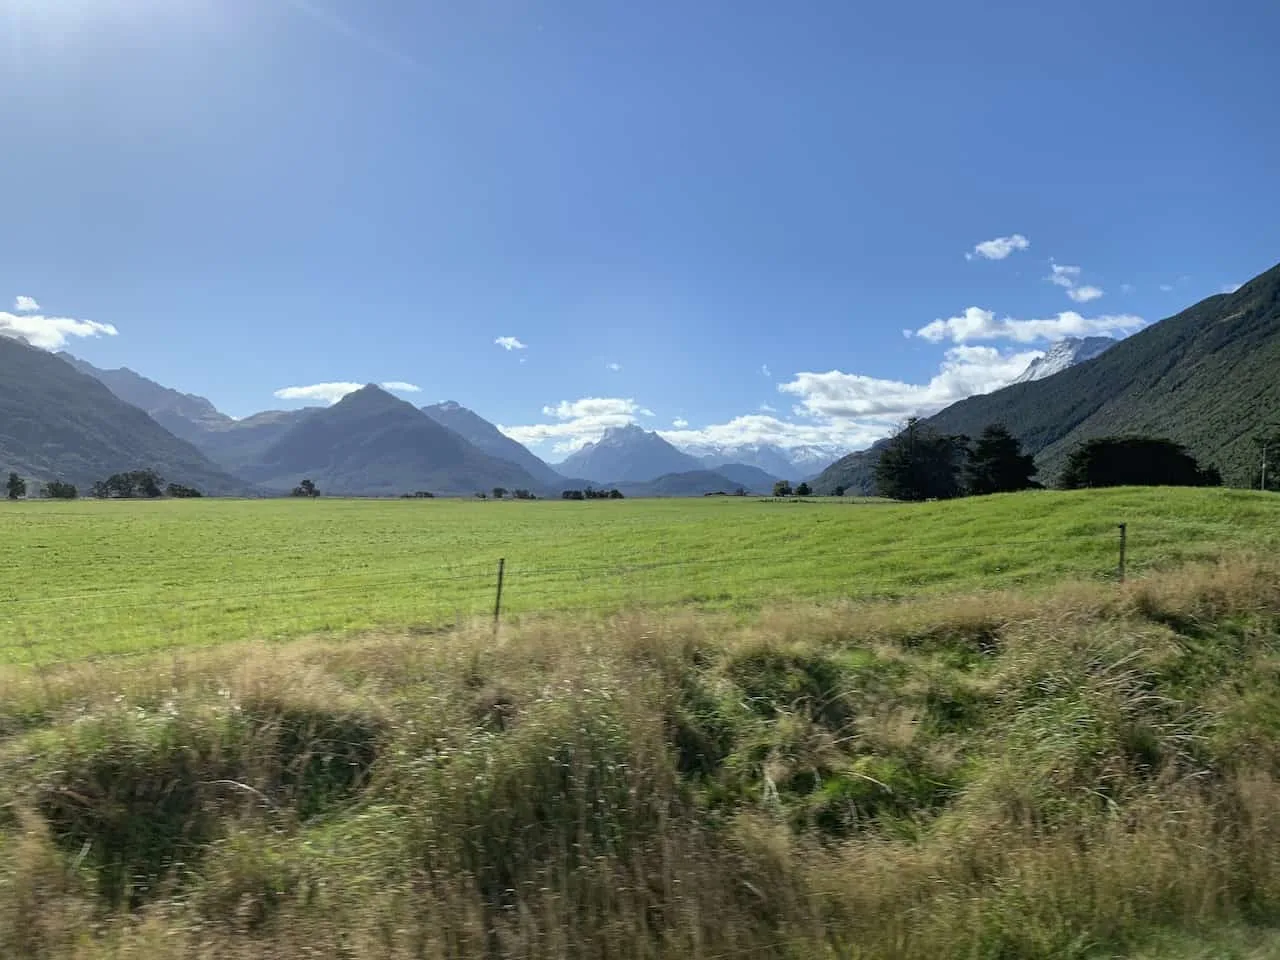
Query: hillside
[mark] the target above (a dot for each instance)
(483, 435)
(1205, 377)
(791, 463)
(628, 454)
(57, 423)
(694, 483)
(744, 475)
(372, 443)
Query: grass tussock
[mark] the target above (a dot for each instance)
(1091, 771)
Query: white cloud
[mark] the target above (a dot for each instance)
(764, 368)
(332, 392)
(49, 333)
(578, 422)
(1166, 287)
(1126, 288)
(765, 408)
(999, 248)
(1084, 294)
(615, 367)
(510, 343)
(25, 304)
(965, 371)
(760, 429)
(324, 392)
(1231, 287)
(849, 411)
(979, 324)
(1069, 277)
(679, 423)
(1063, 275)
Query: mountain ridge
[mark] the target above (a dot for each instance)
(59, 423)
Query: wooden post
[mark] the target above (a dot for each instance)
(497, 603)
(1124, 536)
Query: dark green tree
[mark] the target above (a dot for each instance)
(803, 490)
(16, 487)
(181, 491)
(306, 488)
(839, 491)
(919, 463)
(996, 464)
(615, 494)
(499, 493)
(1134, 461)
(58, 490)
(782, 488)
(100, 490)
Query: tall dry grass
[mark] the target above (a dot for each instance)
(1063, 773)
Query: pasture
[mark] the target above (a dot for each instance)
(106, 578)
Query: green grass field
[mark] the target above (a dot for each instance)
(104, 578)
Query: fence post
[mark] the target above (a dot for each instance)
(497, 603)
(1124, 536)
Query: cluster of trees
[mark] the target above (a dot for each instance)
(919, 463)
(1135, 461)
(126, 486)
(501, 493)
(58, 490)
(783, 488)
(16, 487)
(591, 494)
(418, 495)
(306, 488)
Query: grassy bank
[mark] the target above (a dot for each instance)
(1088, 771)
(106, 578)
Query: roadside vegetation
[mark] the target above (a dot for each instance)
(1088, 771)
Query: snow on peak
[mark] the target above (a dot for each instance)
(1064, 354)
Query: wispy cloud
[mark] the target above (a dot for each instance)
(979, 324)
(1166, 287)
(1084, 294)
(511, 343)
(576, 423)
(1063, 275)
(679, 423)
(998, 248)
(47, 333)
(765, 408)
(1126, 288)
(764, 368)
(333, 391)
(615, 367)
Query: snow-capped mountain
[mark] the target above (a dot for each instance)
(1063, 354)
(788, 463)
(627, 454)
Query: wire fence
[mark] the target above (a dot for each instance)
(159, 612)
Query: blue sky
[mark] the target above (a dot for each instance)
(685, 213)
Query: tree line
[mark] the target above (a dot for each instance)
(591, 494)
(920, 463)
(133, 484)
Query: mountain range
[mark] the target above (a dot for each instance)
(1206, 378)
